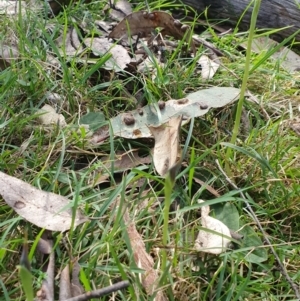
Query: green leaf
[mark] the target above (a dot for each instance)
(255, 252)
(93, 119)
(27, 282)
(135, 124)
(228, 214)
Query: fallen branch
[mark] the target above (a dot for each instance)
(101, 292)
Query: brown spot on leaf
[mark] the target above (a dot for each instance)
(19, 205)
(128, 119)
(203, 106)
(141, 112)
(182, 101)
(161, 104)
(137, 133)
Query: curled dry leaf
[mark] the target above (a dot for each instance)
(50, 117)
(214, 243)
(100, 46)
(208, 67)
(166, 149)
(143, 260)
(194, 105)
(41, 208)
(143, 23)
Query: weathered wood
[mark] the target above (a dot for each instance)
(272, 14)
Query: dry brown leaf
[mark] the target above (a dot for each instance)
(77, 288)
(41, 208)
(166, 149)
(122, 161)
(46, 292)
(126, 160)
(65, 284)
(143, 260)
(143, 23)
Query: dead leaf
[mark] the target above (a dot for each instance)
(208, 67)
(135, 124)
(143, 260)
(211, 242)
(7, 55)
(289, 60)
(100, 46)
(126, 160)
(142, 23)
(69, 43)
(65, 284)
(12, 7)
(121, 9)
(77, 288)
(43, 209)
(166, 149)
(46, 292)
(50, 117)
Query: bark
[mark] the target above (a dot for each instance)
(273, 14)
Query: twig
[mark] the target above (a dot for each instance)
(101, 292)
(281, 266)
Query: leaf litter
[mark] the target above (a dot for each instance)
(43, 209)
(159, 121)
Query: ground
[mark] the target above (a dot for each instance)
(262, 163)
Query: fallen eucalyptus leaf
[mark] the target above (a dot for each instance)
(48, 116)
(166, 148)
(142, 23)
(135, 124)
(208, 241)
(41, 208)
(289, 60)
(143, 260)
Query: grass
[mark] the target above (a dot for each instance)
(263, 163)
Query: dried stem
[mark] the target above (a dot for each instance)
(101, 292)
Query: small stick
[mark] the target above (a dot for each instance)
(281, 266)
(101, 292)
